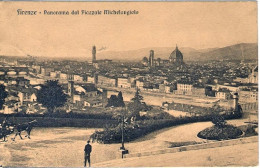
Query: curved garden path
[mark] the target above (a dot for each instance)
(63, 147)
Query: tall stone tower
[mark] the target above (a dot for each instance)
(235, 101)
(93, 54)
(71, 85)
(95, 78)
(151, 58)
(104, 98)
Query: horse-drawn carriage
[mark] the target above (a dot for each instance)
(5, 131)
(6, 128)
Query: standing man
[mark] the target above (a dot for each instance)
(4, 129)
(88, 149)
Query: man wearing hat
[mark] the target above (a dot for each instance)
(88, 149)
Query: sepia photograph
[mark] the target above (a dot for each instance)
(128, 84)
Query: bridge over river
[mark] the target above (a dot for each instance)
(14, 70)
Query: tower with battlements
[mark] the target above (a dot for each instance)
(93, 54)
(151, 58)
(70, 85)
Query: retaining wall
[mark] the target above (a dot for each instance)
(196, 147)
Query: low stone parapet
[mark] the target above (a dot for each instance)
(196, 147)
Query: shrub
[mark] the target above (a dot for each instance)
(178, 144)
(249, 130)
(62, 114)
(61, 119)
(220, 133)
(143, 127)
(218, 121)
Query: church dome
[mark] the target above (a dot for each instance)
(176, 56)
(145, 60)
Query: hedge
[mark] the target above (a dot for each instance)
(141, 128)
(61, 115)
(64, 122)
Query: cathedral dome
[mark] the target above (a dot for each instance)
(145, 60)
(176, 56)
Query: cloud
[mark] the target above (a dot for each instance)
(102, 48)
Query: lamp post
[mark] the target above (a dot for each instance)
(122, 129)
(122, 148)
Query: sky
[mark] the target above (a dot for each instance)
(197, 25)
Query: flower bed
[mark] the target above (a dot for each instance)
(144, 127)
(220, 133)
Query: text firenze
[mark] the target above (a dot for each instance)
(22, 12)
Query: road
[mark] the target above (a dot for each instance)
(63, 147)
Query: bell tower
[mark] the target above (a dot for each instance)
(235, 101)
(151, 58)
(94, 54)
(71, 85)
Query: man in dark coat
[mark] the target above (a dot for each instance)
(5, 129)
(88, 149)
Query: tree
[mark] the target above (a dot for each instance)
(135, 106)
(51, 95)
(216, 109)
(3, 95)
(217, 119)
(120, 100)
(116, 101)
(137, 96)
(112, 101)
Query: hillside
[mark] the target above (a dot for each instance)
(233, 52)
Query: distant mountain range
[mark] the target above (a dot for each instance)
(233, 52)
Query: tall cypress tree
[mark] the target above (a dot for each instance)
(135, 106)
(137, 97)
(3, 95)
(120, 100)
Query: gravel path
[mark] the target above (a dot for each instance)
(63, 147)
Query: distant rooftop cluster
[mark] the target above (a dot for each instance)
(175, 58)
(86, 82)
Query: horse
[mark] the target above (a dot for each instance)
(24, 127)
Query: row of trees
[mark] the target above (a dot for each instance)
(51, 96)
(133, 107)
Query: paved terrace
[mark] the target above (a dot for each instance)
(236, 155)
(63, 147)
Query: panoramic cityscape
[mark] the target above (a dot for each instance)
(122, 105)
